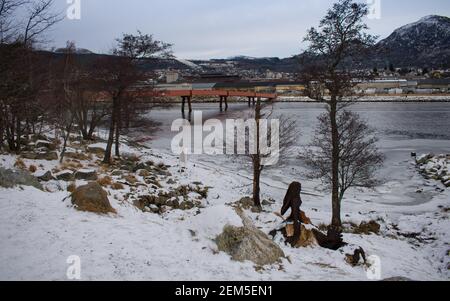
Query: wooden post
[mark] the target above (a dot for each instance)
(254, 101)
(190, 103)
(249, 101)
(221, 103)
(226, 102)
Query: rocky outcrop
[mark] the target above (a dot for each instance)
(435, 167)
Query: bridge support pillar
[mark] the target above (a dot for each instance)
(183, 103)
(225, 98)
(189, 99)
(249, 101)
(221, 103)
(254, 101)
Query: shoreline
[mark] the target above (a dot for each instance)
(284, 99)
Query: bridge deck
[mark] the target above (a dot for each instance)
(213, 93)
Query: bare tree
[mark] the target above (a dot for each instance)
(120, 72)
(24, 72)
(40, 18)
(264, 152)
(329, 71)
(359, 157)
(8, 23)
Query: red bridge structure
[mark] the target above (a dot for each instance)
(187, 95)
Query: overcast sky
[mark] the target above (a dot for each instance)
(220, 28)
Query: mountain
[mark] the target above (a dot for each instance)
(77, 51)
(425, 43)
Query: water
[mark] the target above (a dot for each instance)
(402, 128)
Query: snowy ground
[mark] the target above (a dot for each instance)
(40, 230)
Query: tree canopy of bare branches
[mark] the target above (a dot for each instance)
(118, 74)
(359, 157)
(330, 71)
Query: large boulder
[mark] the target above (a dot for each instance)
(92, 198)
(10, 178)
(248, 243)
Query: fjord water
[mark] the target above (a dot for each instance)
(402, 128)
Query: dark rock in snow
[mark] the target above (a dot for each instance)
(65, 175)
(84, 174)
(46, 177)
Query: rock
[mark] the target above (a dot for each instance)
(117, 173)
(29, 155)
(140, 166)
(46, 177)
(153, 208)
(98, 148)
(92, 198)
(11, 178)
(43, 144)
(49, 156)
(173, 203)
(171, 181)
(65, 175)
(186, 205)
(248, 243)
(447, 184)
(86, 174)
(246, 203)
(424, 158)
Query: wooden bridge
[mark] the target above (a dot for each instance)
(187, 95)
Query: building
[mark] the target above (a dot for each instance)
(172, 77)
(441, 85)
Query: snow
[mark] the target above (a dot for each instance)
(40, 230)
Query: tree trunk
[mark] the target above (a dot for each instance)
(112, 125)
(336, 204)
(118, 127)
(66, 138)
(257, 159)
(256, 182)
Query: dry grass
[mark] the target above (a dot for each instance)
(130, 179)
(144, 173)
(72, 187)
(32, 168)
(20, 164)
(78, 156)
(117, 186)
(70, 165)
(105, 181)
